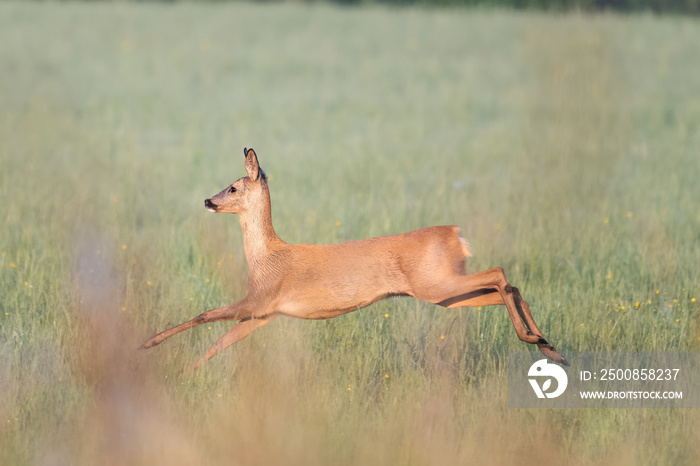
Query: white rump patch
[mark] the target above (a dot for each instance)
(466, 248)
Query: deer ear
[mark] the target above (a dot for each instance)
(251, 164)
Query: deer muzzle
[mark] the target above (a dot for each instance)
(211, 207)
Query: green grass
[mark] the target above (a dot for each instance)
(566, 147)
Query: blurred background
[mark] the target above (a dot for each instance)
(562, 137)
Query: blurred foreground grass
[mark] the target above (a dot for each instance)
(566, 147)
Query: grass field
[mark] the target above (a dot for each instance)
(566, 147)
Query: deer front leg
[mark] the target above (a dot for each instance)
(236, 311)
(241, 330)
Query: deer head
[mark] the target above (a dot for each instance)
(243, 195)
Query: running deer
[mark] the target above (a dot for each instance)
(310, 281)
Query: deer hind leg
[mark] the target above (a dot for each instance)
(233, 312)
(477, 288)
(239, 331)
(491, 297)
(491, 288)
(485, 297)
(547, 349)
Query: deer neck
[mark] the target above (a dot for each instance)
(259, 237)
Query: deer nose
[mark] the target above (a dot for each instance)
(210, 205)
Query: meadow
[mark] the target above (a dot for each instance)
(566, 147)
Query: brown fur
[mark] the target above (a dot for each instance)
(310, 281)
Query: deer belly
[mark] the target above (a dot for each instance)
(325, 302)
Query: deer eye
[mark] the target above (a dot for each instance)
(232, 189)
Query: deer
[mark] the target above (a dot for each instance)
(311, 281)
